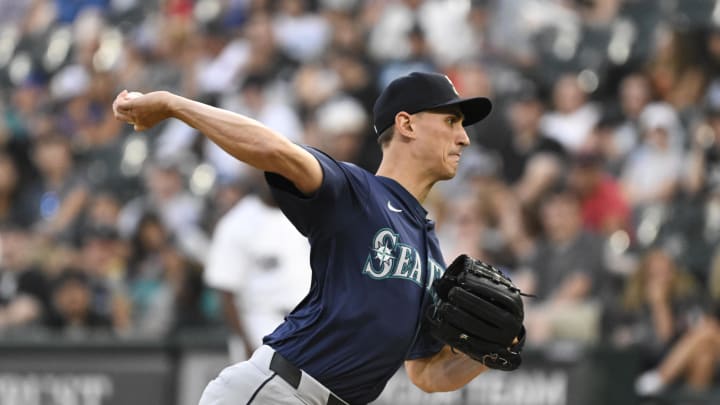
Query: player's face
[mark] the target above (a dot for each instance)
(443, 139)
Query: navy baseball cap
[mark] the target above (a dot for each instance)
(421, 91)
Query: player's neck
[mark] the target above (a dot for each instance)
(414, 182)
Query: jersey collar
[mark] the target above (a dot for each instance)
(407, 200)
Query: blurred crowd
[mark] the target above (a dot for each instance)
(595, 182)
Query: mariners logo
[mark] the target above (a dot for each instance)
(390, 258)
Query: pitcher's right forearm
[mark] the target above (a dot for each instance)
(244, 138)
(250, 141)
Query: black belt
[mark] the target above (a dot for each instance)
(291, 374)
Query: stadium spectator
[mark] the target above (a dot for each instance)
(220, 59)
(301, 34)
(150, 293)
(417, 59)
(355, 77)
(531, 160)
(179, 210)
(314, 84)
(189, 296)
(27, 113)
(693, 231)
(691, 362)
(703, 155)
(658, 304)
(70, 89)
(341, 125)
(652, 172)
(103, 210)
(462, 228)
(103, 258)
(164, 285)
(265, 55)
(526, 141)
(62, 193)
(676, 67)
(24, 292)
(573, 116)
(604, 208)
(683, 349)
(566, 270)
(634, 95)
(347, 33)
(72, 311)
(223, 197)
(256, 296)
(15, 202)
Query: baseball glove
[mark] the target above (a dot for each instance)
(479, 312)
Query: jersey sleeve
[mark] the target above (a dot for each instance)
(340, 195)
(425, 345)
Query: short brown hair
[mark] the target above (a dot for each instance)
(386, 136)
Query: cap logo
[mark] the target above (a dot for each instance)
(452, 85)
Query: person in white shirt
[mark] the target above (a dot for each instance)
(261, 266)
(574, 116)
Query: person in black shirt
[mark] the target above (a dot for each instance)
(72, 308)
(23, 289)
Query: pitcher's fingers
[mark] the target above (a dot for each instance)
(118, 108)
(121, 96)
(115, 110)
(123, 117)
(123, 106)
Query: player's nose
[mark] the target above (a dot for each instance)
(463, 138)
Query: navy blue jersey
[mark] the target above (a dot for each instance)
(374, 255)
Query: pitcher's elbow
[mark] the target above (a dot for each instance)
(427, 388)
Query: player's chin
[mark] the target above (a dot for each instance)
(448, 174)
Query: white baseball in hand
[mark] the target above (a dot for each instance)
(129, 96)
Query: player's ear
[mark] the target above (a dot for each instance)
(404, 125)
